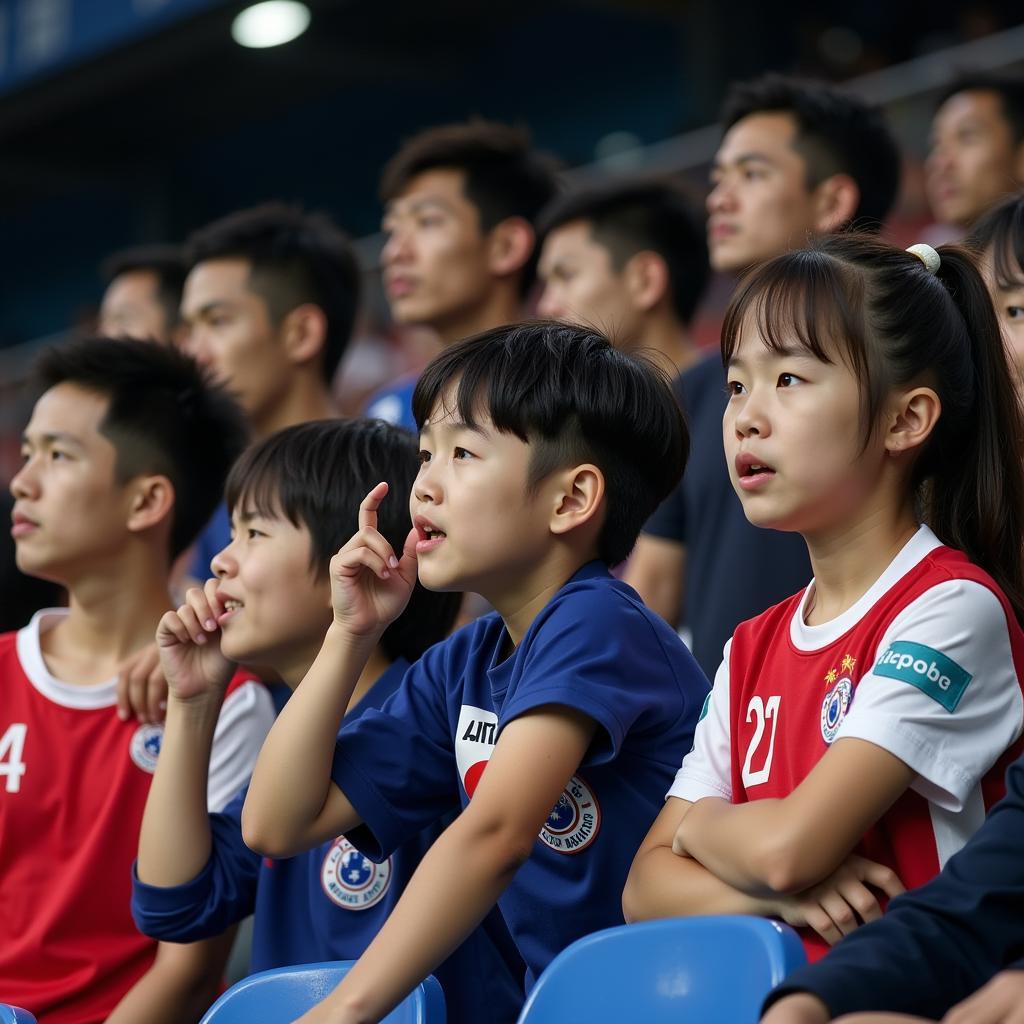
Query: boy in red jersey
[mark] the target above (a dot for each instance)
(124, 456)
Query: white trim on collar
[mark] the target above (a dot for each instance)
(68, 695)
(813, 638)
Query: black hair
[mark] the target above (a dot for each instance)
(315, 475)
(1002, 231)
(574, 398)
(895, 323)
(630, 215)
(1009, 89)
(836, 133)
(295, 257)
(165, 262)
(504, 176)
(164, 417)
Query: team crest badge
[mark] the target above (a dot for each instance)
(574, 821)
(351, 880)
(834, 708)
(145, 746)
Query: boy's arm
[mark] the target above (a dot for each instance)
(664, 884)
(293, 805)
(780, 844)
(179, 987)
(469, 865)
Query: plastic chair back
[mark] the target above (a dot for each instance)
(15, 1015)
(280, 995)
(695, 969)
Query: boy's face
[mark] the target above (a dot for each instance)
(479, 529)
(759, 205)
(280, 606)
(70, 514)
(581, 284)
(973, 161)
(229, 331)
(1008, 298)
(132, 308)
(435, 257)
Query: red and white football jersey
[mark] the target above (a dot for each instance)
(73, 784)
(927, 665)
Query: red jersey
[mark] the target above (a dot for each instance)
(927, 665)
(73, 784)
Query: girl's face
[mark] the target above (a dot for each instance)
(280, 609)
(794, 439)
(1008, 298)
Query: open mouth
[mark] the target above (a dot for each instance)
(751, 472)
(231, 608)
(429, 536)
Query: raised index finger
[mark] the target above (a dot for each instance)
(370, 504)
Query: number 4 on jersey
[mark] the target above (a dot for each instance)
(761, 712)
(12, 747)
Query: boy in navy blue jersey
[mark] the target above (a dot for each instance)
(293, 500)
(542, 451)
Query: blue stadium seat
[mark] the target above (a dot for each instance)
(281, 995)
(15, 1015)
(715, 970)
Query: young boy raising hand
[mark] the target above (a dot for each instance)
(553, 722)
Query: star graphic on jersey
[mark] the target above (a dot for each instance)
(353, 876)
(556, 814)
(848, 663)
(830, 675)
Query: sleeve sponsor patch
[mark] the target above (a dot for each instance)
(927, 669)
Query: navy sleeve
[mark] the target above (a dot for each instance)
(222, 894)
(602, 652)
(938, 944)
(396, 764)
(668, 521)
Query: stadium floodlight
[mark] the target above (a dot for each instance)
(271, 23)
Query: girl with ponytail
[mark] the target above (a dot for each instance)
(857, 733)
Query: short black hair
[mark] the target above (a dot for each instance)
(570, 394)
(504, 176)
(1009, 89)
(836, 133)
(1002, 231)
(296, 257)
(630, 215)
(164, 416)
(315, 475)
(166, 262)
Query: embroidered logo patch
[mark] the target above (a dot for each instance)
(574, 821)
(927, 669)
(351, 880)
(834, 708)
(145, 746)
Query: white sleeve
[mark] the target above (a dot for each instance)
(943, 694)
(245, 719)
(707, 769)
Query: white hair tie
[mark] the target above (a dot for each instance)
(927, 255)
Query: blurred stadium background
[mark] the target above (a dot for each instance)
(130, 121)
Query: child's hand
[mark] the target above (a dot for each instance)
(141, 687)
(801, 1008)
(1001, 1001)
(370, 586)
(189, 644)
(842, 902)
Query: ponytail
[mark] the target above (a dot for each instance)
(974, 495)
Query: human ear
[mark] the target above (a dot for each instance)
(303, 333)
(579, 494)
(835, 203)
(509, 245)
(912, 420)
(151, 501)
(646, 277)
